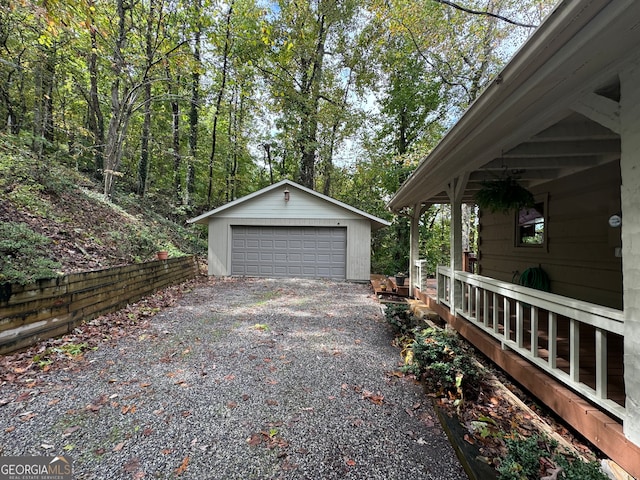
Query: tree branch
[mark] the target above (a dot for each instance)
(488, 14)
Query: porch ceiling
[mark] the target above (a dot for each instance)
(553, 110)
(573, 144)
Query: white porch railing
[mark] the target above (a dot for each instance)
(544, 328)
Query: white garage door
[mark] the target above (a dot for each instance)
(306, 252)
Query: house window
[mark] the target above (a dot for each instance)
(531, 225)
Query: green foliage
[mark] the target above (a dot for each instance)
(23, 255)
(399, 316)
(579, 470)
(447, 363)
(522, 461)
(68, 350)
(503, 196)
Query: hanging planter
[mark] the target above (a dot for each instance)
(503, 196)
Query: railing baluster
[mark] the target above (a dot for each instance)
(553, 340)
(601, 363)
(506, 322)
(534, 331)
(467, 289)
(574, 350)
(485, 307)
(484, 295)
(496, 314)
(519, 324)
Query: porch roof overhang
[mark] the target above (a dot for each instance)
(551, 112)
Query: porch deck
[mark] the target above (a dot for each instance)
(573, 366)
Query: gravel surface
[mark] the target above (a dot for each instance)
(251, 378)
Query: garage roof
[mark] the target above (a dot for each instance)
(552, 111)
(376, 223)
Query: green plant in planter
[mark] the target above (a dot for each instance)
(503, 196)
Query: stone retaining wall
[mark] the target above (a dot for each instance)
(29, 313)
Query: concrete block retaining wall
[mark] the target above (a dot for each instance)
(29, 313)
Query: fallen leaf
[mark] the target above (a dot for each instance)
(70, 430)
(183, 466)
(23, 396)
(376, 399)
(25, 417)
(166, 451)
(255, 439)
(271, 402)
(118, 447)
(132, 465)
(10, 429)
(53, 401)
(350, 462)
(232, 405)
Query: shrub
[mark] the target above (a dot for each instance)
(23, 255)
(522, 461)
(447, 363)
(399, 317)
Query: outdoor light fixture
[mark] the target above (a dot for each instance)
(286, 195)
(615, 220)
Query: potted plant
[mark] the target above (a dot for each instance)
(400, 279)
(162, 253)
(503, 195)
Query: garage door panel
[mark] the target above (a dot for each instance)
(313, 252)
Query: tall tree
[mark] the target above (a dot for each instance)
(308, 44)
(194, 104)
(226, 50)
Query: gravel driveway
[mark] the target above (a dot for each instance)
(243, 379)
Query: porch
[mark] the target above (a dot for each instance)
(567, 353)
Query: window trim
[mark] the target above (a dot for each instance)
(544, 200)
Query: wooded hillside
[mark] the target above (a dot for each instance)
(187, 105)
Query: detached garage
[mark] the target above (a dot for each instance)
(287, 230)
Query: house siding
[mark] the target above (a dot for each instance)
(300, 205)
(579, 255)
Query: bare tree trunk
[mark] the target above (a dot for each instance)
(143, 165)
(43, 113)
(95, 118)
(121, 106)
(267, 150)
(194, 111)
(307, 141)
(216, 114)
(175, 134)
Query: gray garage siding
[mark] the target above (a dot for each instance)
(305, 252)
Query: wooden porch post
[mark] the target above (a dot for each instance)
(630, 193)
(414, 248)
(455, 191)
